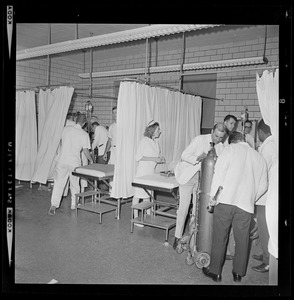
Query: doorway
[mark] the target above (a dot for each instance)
(204, 85)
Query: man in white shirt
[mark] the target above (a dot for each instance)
(242, 173)
(100, 141)
(248, 137)
(74, 140)
(111, 143)
(187, 172)
(70, 120)
(268, 150)
(230, 122)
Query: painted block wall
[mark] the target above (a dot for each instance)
(237, 88)
(33, 73)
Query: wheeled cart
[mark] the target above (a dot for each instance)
(197, 246)
(198, 242)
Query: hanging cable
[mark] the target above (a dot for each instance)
(91, 71)
(146, 60)
(264, 49)
(182, 63)
(48, 56)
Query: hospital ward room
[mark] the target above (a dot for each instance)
(146, 154)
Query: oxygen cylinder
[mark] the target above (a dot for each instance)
(204, 238)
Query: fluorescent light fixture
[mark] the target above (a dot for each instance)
(108, 39)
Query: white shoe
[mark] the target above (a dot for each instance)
(52, 210)
(139, 225)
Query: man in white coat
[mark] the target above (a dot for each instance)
(100, 141)
(268, 150)
(74, 140)
(111, 143)
(187, 172)
(242, 173)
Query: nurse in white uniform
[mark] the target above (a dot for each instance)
(148, 156)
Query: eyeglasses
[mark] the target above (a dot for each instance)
(248, 127)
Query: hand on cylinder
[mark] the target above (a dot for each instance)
(201, 157)
(161, 160)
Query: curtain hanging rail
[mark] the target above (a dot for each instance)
(169, 88)
(78, 94)
(72, 84)
(75, 85)
(96, 96)
(28, 89)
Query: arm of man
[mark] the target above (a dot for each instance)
(158, 160)
(269, 154)
(220, 170)
(193, 154)
(88, 155)
(108, 145)
(96, 140)
(262, 186)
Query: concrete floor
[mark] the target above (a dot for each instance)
(79, 250)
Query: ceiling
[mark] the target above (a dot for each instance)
(30, 35)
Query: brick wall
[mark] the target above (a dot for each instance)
(237, 88)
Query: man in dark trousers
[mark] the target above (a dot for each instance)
(268, 150)
(242, 172)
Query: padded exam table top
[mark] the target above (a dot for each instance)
(96, 170)
(156, 181)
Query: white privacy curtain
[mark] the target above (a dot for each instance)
(25, 135)
(268, 97)
(46, 99)
(179, 117)
(51, 130)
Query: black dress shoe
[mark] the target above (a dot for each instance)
(175, 244)
(237, 277)
(263, 268)
(258, 257)
(214, 277)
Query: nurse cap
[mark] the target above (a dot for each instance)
(152, 122)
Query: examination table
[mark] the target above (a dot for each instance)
(160, 217)
(101, 201)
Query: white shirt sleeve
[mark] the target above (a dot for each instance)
(263, 183)
(268, 154)
(220, 169)
(96, 139)
(250, 140)
(86, 141)
(191, 153)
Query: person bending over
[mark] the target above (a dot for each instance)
(187, 172)
(74, 140)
